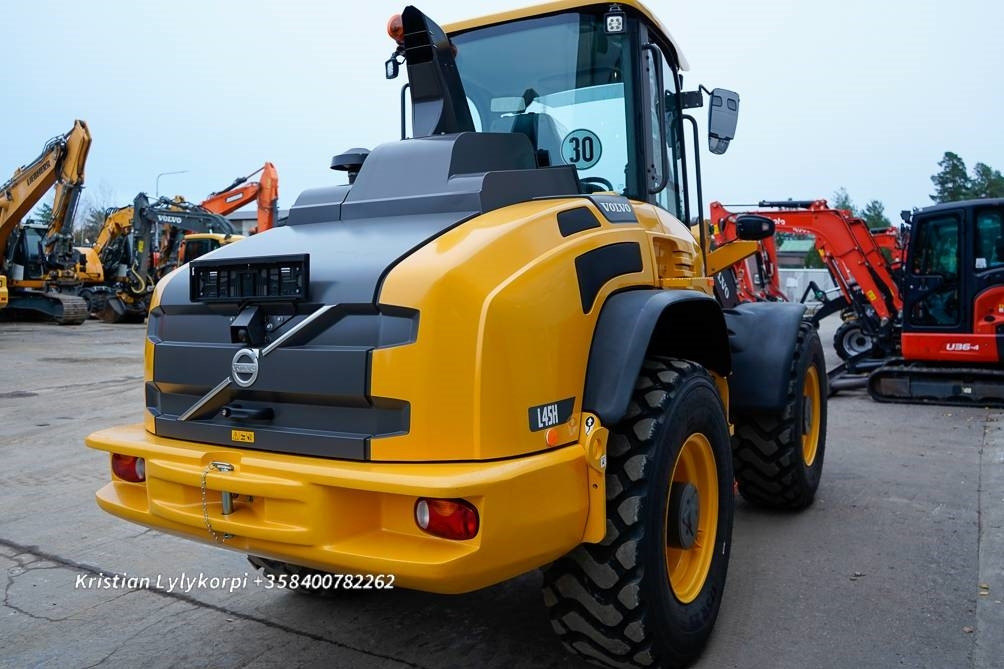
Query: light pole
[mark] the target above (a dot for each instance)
(164, 174)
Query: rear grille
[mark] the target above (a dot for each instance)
(270, 279)
(311, 395)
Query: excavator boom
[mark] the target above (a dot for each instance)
(241, 192)
(39, 262)
(847, 240)
(61, 161)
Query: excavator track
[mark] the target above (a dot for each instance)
(916, 382)
(62, 308)
(69, 309)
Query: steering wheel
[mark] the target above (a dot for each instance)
(590, 181)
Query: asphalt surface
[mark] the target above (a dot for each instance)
(900, 561)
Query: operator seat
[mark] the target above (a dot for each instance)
(542, 130)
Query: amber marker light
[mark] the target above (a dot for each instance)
(552, 437)
(395, 28)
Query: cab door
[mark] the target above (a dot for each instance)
(932, 287)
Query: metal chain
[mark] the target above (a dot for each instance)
(220, 467)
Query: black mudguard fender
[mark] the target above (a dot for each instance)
(681, 323)
(762, 338)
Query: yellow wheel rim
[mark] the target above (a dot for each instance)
(811, 404)
(687, 568)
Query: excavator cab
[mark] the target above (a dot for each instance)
(25, 254)
(955, 279)
(197, 244)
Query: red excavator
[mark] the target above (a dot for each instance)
(241, 192)
(940, 342)
(953, 309)
(868, 296)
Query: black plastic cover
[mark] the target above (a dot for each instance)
(682, 323)
(762, 337)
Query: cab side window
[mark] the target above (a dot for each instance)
(989, 239)
(936, 253)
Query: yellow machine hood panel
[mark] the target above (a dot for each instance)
(499, 365)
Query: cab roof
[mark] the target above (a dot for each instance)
(961, 204)
(559, 6)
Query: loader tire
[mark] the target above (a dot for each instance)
(850, 340)
(778, 457)
(649, 593)
(292, 577)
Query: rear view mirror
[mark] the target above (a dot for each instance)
(752, 227)
(508, 105)
(723, 115)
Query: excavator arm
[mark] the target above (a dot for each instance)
(845, 244)
(118, 223)
(69, 185)
(61, 161)
(242, 192)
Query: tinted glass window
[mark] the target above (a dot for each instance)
(936, 253)
(560, 80)
(989, 250)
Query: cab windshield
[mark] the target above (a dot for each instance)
(563, 82)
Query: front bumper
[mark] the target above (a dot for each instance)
(356, 517)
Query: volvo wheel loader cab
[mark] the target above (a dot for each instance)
(496, 349)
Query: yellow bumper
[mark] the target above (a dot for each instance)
(357, 517)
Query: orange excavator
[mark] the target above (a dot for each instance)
(868, 296)
(937, 308)
(893, 241)
(179, 246)
(241, 192)
(752, 279)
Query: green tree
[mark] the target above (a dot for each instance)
(42, 213)
(88, 226)
(841, 200)
(986, 182)
(91, 214)
(874, 215)
(952, 183)
(812, 259)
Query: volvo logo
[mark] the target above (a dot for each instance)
(244, 369)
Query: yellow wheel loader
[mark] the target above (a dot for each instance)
(496, 349)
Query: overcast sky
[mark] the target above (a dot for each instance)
(867, 95)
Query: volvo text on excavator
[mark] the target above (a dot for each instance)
(127, 258)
